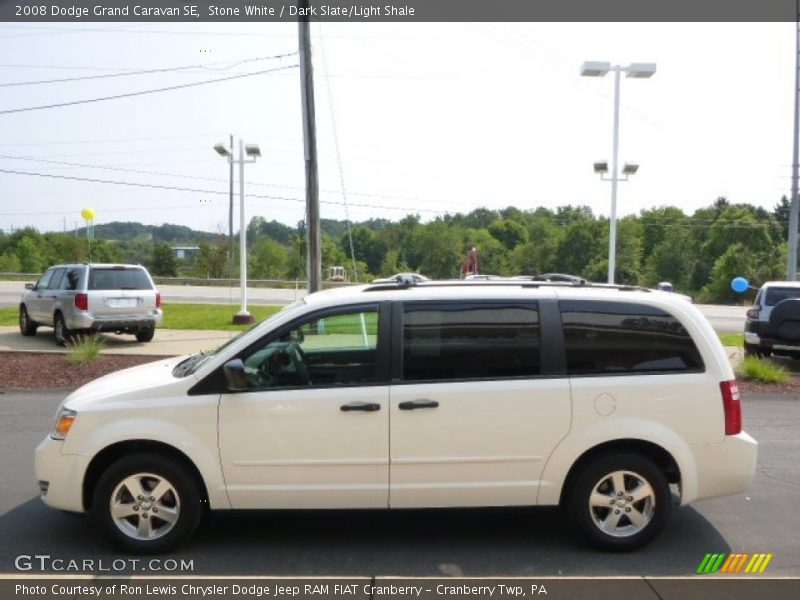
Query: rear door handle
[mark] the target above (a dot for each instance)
(415, 404)
(365, 406)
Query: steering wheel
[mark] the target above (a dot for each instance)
(298, 358)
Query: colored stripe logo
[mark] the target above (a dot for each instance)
(737, 562)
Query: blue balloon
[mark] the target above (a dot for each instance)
(740, 285)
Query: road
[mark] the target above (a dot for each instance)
(503, 542)
(724, 319)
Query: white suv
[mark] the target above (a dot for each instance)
(405, 395)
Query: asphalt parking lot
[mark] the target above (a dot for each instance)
(497, 542)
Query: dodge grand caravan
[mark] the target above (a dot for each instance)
(607, 401)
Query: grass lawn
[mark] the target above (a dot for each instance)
(732, 339)
(210, 316)
(185, 316)
(9, 316)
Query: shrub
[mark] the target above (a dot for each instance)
(84, 349)
(763, 370)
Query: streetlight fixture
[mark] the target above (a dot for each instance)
(253, 152)
(635, 71)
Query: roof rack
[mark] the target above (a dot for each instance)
(406, 283)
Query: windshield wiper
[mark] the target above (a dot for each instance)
(186, 366)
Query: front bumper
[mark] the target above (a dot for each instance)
(60, 475)
(726, 468)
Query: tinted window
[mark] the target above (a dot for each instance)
(44, 280)
(616, 337)
(55, 280)
(119, 279)
(329, 351)
(470, 341)
(776, 294)
(71, 279)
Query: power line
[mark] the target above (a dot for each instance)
(148, 71)
(200, 191)
(143, 92)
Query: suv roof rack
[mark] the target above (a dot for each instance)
(404, 283)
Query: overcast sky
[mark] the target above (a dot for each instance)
(431, 118)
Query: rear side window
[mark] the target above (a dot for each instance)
(71, 279)
(779, 294)
(608, 338)
(470, 341)
(119, 279)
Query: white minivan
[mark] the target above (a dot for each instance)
(606, 400)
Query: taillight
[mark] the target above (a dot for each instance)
(752, 313)
(82, 301)
(732, 406)
(158, 300)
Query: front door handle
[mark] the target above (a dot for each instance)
(415, 404)
(365, 406)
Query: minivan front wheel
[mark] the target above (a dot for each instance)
(147, 503)
(620, 501)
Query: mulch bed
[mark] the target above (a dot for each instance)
(790, 388)
(40, 370)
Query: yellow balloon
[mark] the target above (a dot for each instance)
(87, 214)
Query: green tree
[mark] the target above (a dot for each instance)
(9, 263)
(212, 258)
(509, 233)
(30, 258)
(163, 262)
(269, 259)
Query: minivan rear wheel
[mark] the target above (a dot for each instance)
(620, 501)
(147, 503)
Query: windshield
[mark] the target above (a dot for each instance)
(189, 365)
(779, 294)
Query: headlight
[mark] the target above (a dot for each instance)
(64, 420)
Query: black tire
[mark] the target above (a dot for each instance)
(61, 334)
(784, 320)
(26, 326)
(754, 350)
(184, 498)
(653, 510)
(145, 335)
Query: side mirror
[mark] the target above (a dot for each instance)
(234, 375)
(30, 286)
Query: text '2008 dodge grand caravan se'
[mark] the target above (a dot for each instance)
(402, 396)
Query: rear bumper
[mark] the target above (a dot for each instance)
(85, 320)
(726, 468)
(770, 343)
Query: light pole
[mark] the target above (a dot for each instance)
(253, 152)
(636, 71)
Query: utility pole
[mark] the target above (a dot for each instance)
(230, 217)
(314, 254)
(791, 267)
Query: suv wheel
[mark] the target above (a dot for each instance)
(145, 335)
(620, 501)
(147, 503)
(754, 350)
(26, 326)
(61, 334)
